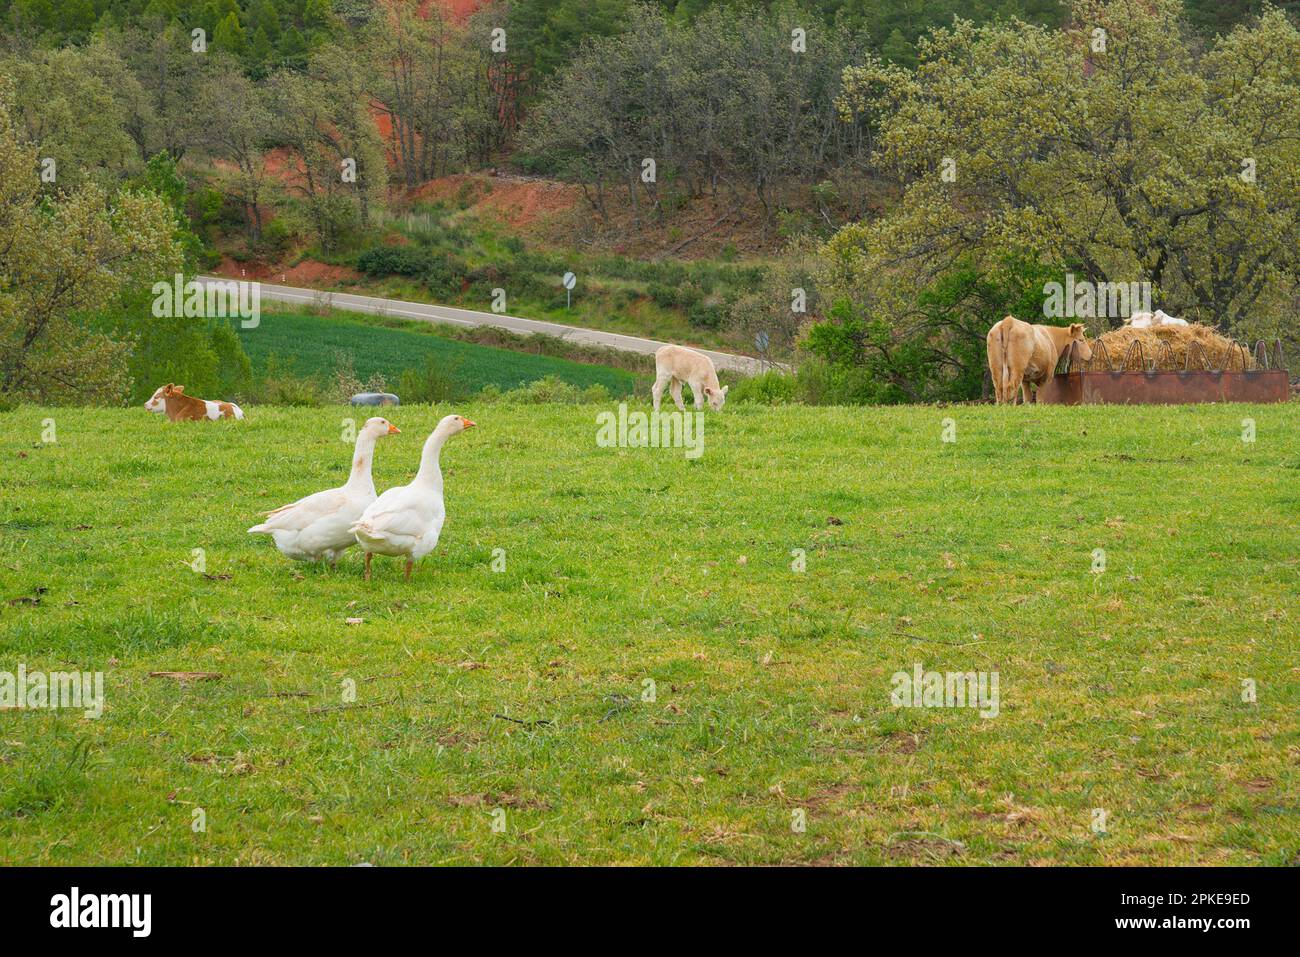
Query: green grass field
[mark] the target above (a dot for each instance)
(312, 344)
(516, 697)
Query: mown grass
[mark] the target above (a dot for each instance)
(311, 346)
(522, 689)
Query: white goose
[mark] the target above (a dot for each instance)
(408, 519)
(318, 526)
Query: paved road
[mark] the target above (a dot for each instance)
(468, 317)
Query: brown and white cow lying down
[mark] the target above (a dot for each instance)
(1021, 354)
(179, 407)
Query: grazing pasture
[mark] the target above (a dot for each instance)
(650, 678)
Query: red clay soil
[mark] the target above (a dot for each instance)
(286, 166)
(281, 164)
(517, 201)
(383, 122)
(309, 272)
(458, 11)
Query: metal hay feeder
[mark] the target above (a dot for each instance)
(1200, 380)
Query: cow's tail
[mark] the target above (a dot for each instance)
(1006, 369)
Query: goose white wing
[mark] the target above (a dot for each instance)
(400, 522)
(304, 512)
(409, 521)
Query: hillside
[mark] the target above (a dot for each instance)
(651, 679)
(460, 248)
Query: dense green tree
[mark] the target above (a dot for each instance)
(1220, 16)
(262, 15)
(421, 67)
(228, 36)
(349, 133)
(261, 55)
(1133, 155)
(293, 49)
(73, 104)
(167, 75)
(898, 49)
(324, 117)
(544, 35)
(60, 260)
(161, 177)
(731, 104)
(935, 351)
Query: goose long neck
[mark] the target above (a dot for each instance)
(363, 458)
(430, 474)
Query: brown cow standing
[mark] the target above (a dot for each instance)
(179, 407)
(1021, 355)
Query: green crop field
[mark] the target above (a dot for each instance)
(680, 660)
(311, 345)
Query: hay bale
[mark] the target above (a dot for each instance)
(1216, 351)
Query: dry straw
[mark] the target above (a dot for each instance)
(1168, 348)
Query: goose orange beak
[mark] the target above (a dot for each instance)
(466, 423)
(393, 430)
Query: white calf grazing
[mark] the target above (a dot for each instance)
(677, 364)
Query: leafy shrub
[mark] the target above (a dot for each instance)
(434, 381)
(347, 383)
(535, 286)
(670, 297)
(206, 206)
(822, 383)
(486, 275)
(208, 259)
(791, 224)
(466, 195)
(281, 386)
(234, 369)
(288, 389)
(395, 261)
(206, 358)
(708, 314)
(767, 388)
(277, 239)
(534, 260)
(446, 274)
(546, 391)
